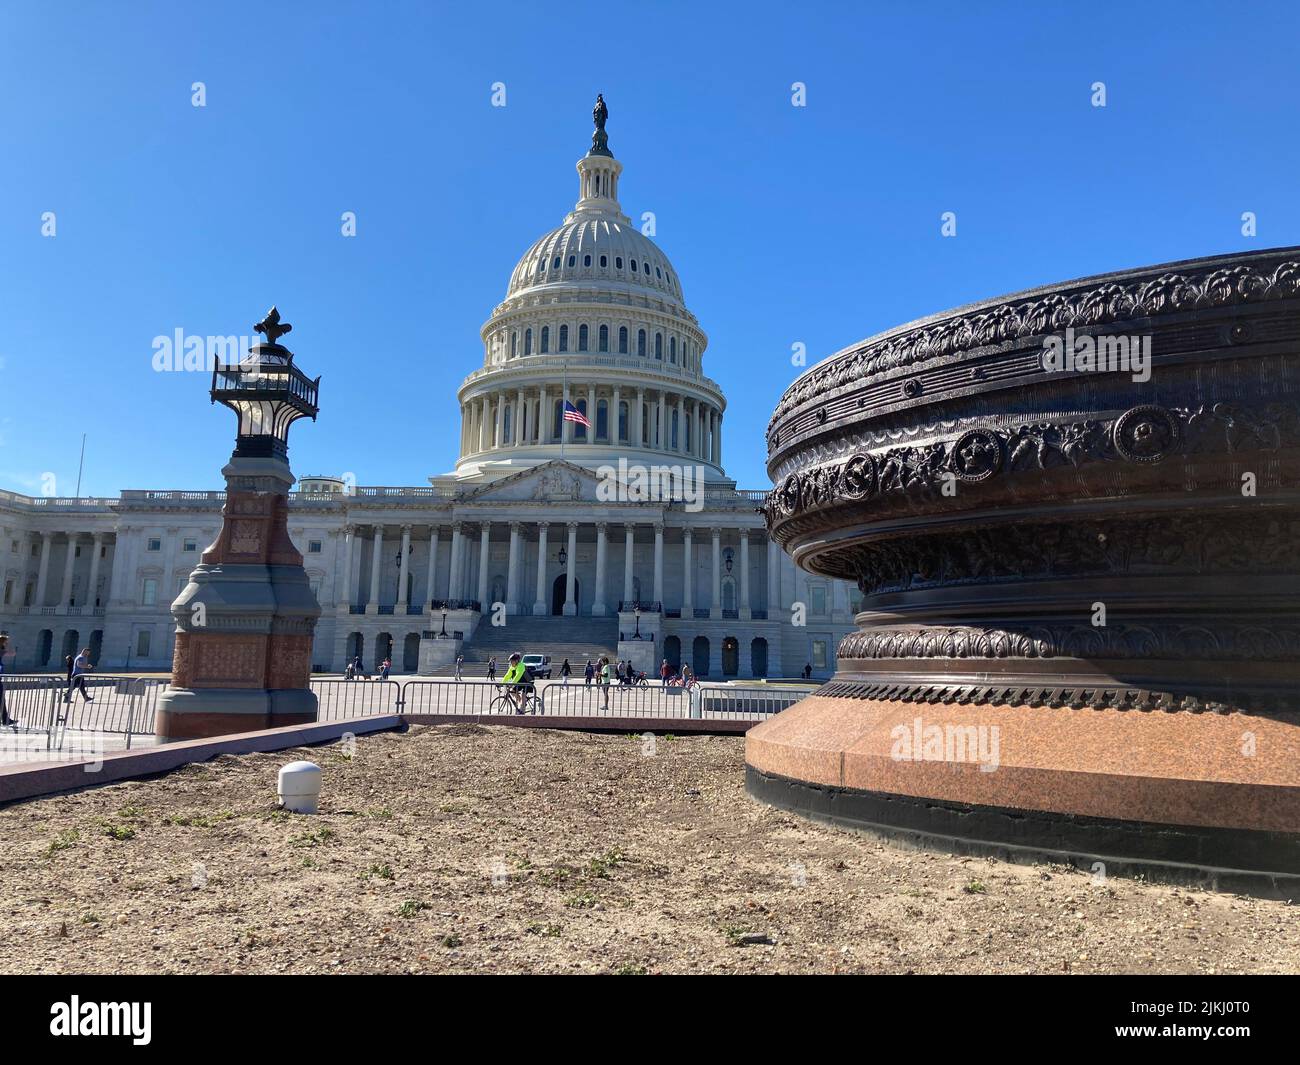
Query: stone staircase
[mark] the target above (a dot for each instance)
(576, 639)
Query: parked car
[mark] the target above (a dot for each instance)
(540, 665)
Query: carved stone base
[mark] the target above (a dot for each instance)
(189, 715)
(1191, 797)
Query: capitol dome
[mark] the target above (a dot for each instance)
(593, 316)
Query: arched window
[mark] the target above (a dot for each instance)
(602, 420)
(622, 340)
(586, 260)
(622, 421)
(640, 341)
(507, 425)
(604, 338)
(582, 338)
(658, 274)
(659, 345)
(604, 261)
(514, 340)
(645, 423)
(556, 265)
(546, 339)
(672, 349)
(528, 341)
(564, 338)
(633, 262)
(572, 259)
(557, 419)
(646, 267)
(618, 262)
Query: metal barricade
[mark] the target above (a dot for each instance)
(728, 702)
(446, 695)
(339, 700)
(616, 700)
(30, 704)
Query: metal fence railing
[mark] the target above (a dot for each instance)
(734, 703)
(338, 700)
(617, 700)
(29, 702)
(437, 695)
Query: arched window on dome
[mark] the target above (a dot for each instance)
(604, 261)
(586, 260)
(564, 338)
(604, 338)
(622, 340)
(672, 349)
(659, 276)
(556, 265)
(582, 337)
(659, 346)
(546, 339)
(640, 341)
(528, 341)
(646, 267)
(602, 420)
(622, 422)
(618, 262)
(572, 259)
(633, 262)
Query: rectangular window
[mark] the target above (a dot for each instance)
(142, 641)
(313, 547)
(819, 654)
(155, 544)
(9, 592)
(150, 592)
(817, 600)
(190, 545)
(13, 547)
(77, 552)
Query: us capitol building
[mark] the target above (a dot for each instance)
(539, 517)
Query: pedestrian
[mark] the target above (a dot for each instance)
(665, 671)
(77, 676)
(359, 668)
(349, 673)
(565, 671)
(492, 668)
(384, 669)
(629, 672)
(5, 719)
(618, 673)
(67, 684)
(807, 671)
(589, 672)
(460, 661)
(604, 683)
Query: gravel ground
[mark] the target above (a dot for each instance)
(463, 848)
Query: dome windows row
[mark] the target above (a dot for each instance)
(640, 269)
(606, 341)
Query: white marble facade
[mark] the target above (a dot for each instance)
(594, 315)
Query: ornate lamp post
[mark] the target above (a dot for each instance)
(637, 612)
(443, 635)
(245, 620)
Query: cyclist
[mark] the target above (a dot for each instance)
(518, 681)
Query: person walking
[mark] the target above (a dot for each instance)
(460, 661)
(492, 668)
(589, 672)
(385, 668)
(5, 719)
(564, 672)
(77, 676)
(665, 671)
(359, 668)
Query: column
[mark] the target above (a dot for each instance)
(376, 563)
(170, 544)
(598, 609)
(517, 430)
(499, 437)
(403, 569)
(570, 591)
(681, 426)
(773, 579)
(715, 606)
(659, 564)
(484, 422)
(697, 430)
(744, 604)
(349, 535)
(96, 544)
(539, 429)
(434, 536)
(484, 550)
(539, 601)
(639, 435)
(512, 571)
(354, 576)
(717, 444)
(115, 579)
(613, 416)
(688, 575)
(66, 594)
(629, 531)
(457, 551)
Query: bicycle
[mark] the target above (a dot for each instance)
(506, 703)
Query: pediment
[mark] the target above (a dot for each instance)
(552, 482)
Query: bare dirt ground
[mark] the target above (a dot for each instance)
(462, 848)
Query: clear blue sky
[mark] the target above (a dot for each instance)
(818, 225)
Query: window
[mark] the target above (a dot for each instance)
(9, 591)
(604, 261)
(572, 260)
(817, 600)
(514, 337)
(564, 338)
(674, 430)
(658, 274)
(314, 546)
(819, 654)
(640, 341)
(546, 339)
(142, 641)
(150, 596)
(190, 545)
(622, 422)
(604, 338)
(13, 547)
(646, 267)
(528, 341)
(556, 265)
(155, 544)
(618, 262)
(633, 264)
(602, 420)
(659, 345)
(35, 550)
(672, 349)
(622, 340)
(586, 260)
(582, 338)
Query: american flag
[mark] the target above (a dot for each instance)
(572, 414)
